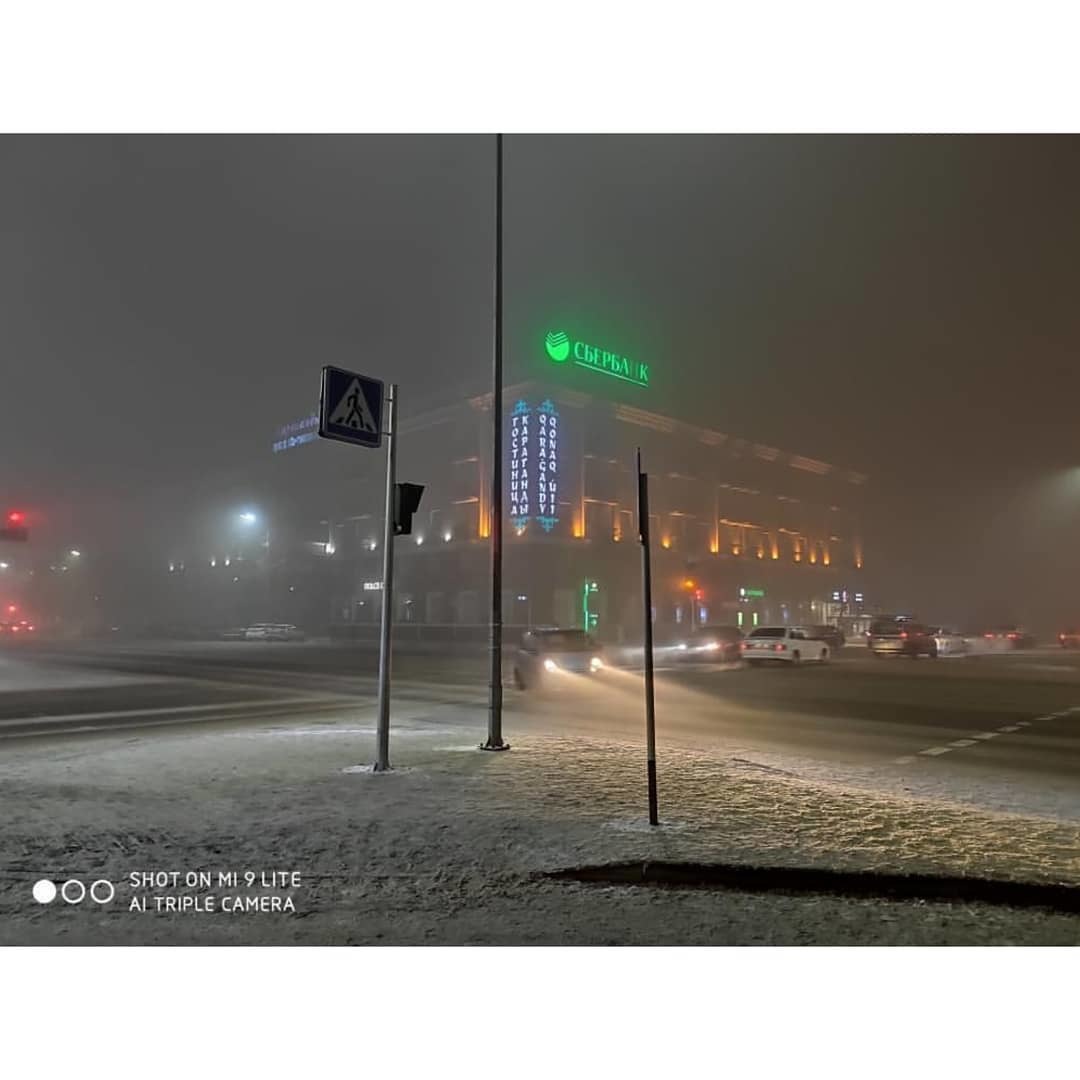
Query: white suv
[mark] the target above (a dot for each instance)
(783, 644)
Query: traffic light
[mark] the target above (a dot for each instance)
(406, 503)
(14, 527)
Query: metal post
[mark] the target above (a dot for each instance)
(495, 696)
(646, 590)
(382, 760)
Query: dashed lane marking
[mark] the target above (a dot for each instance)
(982, 736)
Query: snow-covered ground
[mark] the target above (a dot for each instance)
(445, 849)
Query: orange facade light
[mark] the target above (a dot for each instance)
(665, 542)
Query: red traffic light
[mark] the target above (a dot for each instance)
(13, 526)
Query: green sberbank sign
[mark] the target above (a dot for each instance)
(561, 347)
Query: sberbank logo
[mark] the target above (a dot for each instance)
(557, 345)
(560, 347)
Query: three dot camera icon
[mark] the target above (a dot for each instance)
(74, 891)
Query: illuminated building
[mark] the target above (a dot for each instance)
(763, 533)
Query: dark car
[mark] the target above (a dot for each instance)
(1069, 639)
(901, 637)
(833, 636)
(548, 653)
(717, 643)
(1014, 637)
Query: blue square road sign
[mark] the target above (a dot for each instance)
(351, 407)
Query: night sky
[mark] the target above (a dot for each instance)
(903, 306)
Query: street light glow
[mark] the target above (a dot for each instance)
(74, 554)
(249, 517)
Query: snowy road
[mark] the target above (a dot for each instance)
(815, 767)
(1004, 726)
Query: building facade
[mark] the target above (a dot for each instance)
(743, 532)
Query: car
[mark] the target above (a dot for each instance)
(716, 643)
(1013, 637)
(783, 644)
(237, 633)
(274, 632)
(547, 652)
(901, 637)
(1069, 639)
(833, 636)
(949, 642)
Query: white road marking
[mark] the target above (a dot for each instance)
(43, 721)
(961, 744)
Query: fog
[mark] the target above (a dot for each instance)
(902, 307)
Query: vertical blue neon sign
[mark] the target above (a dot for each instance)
(547, 460)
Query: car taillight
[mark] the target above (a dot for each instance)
(744, 645)
(1012, 636)
(903, 633)
(780, 647)
(988, 635)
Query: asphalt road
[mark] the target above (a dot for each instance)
(1010, 717)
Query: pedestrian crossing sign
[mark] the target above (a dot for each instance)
(351, 407)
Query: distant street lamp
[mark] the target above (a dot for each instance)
(247, 519)
(74, 554)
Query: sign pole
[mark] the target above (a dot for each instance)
(646, 592)
(495, 695)
(382, 760)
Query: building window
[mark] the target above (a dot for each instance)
(468, 607)
(434, 605)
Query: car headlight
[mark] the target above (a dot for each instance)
(596, 663)
(712, 646)
(550, 665)
(681, 645)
